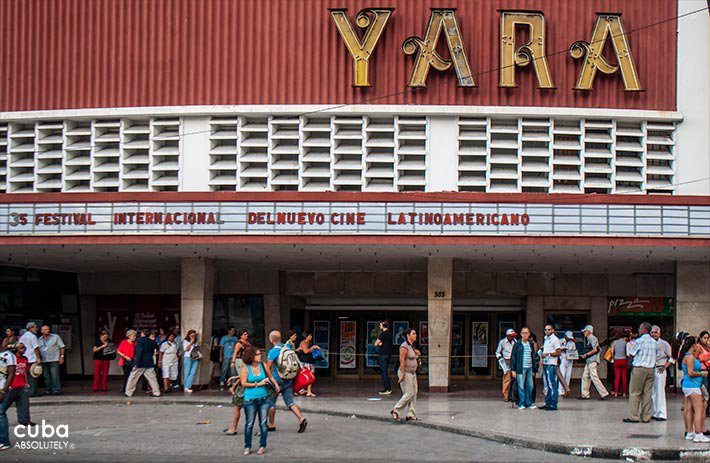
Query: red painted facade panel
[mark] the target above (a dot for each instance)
(122, 53)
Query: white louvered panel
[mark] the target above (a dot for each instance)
(284, 153)
(253, 161)
(660, 157)
(224, 135)
(315, 154)
(3, 157)
(348, 153)
(380, 173)
(411, 156)
(135, 155)
(165, 154)
(473, 154)
(106, 155)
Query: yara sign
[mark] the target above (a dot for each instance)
(512, 55)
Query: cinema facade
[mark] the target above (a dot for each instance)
(454, 167)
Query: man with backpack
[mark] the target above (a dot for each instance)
(283, 362)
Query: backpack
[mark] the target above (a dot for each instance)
(287, 363)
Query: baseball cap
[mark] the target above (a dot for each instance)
(569, 334)
(588, 328)
(510, 332)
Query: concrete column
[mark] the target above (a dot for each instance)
(87, 307)
(440, 285)
(692, 296)
(196, 306)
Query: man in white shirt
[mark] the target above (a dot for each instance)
(503, 352)
(551, 350)
(569, 355)
(29, 339)
(664, 359)
(7, 374)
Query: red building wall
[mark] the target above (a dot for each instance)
(122, 53)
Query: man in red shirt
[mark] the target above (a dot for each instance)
(19, 389)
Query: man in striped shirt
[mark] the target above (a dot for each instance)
(641, 388)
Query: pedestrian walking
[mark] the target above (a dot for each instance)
(168, 361)
(306, 348)
(641, 388)
(503, 353)
(621, 366)
(237, 391)
(226, 352)
(664, 359)
(567, 358)
(127, 353)
(144, 365)
(292, 340)
(693, 402)
(29, 339)
(104, 351)
(51, 348)
(283, 364)
(551, 351)
(190, 361)
(8, 366)
(242, 343)
(383, 343)
(18, 391)
(407, 378)
(591, 359)
(523, 366)
(255, 378)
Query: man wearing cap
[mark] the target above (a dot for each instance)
(664, 359)
(503, 352)
(567, 358)
(29, 339)
(591, 358)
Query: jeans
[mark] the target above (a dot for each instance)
(384, 361)
(51, 377)
(190, 369)
(286, 391)
(525, 387)
(251, 408)
(550, 374)
(21, 398)
(32, 382)
(227, 371)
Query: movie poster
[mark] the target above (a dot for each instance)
(479, 344)
(373, 331)
(348, 336)
(321, 337)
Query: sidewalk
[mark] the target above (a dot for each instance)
(586, 428)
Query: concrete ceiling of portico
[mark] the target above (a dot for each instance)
(515, 258)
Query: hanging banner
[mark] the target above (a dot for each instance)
(641, 306)
(479, 345)
(348, 336)
(321, 337)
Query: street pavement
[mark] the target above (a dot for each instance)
(152, 431)
(587, 428)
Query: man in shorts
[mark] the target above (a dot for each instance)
(286, 385)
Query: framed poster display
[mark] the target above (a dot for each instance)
(321, 337)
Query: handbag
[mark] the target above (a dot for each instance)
(609, 355)
(195, 353)
(110, 351)
(303, 379)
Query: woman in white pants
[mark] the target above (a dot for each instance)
(569, 353)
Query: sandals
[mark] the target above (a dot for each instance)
(228, 433)
(395, 416)
(413, 418)
(310, 394)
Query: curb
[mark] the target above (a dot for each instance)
(589, 451)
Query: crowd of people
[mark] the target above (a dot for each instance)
(641, 362)
(165, 362)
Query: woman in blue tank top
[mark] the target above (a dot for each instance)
(255, 377)
(693, 405)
